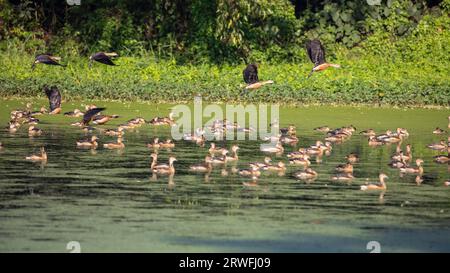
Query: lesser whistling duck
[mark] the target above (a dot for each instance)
(443, 158)
(118, 145)
(54, 98)
(343, 177)
(301, 153)
(352, 158)
(303, 161)
(290, 130)
(75, 113)
(279, 167)
(398, 164)
(92, 143)
(400, 156)
(267, 162)
(46, 59)
(220, 159)
(345, 168)
(215, 150)
(418, 170)
(165, 168)
(167, 144)
(278, 148)
(439, 131)
(253, 172)
(234, 157)
(163, 120)
(381, 186)
(306, 174)
(202, 167)
(102, 57)
(103, 119)
(447, 183)
(118, 132)
(323, 129)
(34, 131)
(373, 141)
(41, 157)
(369, 132)
(289, 139)
(316, 54)
(250, 75)
(155, 143)
(439, 146)
(88, 116)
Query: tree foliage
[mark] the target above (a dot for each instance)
(208, 30)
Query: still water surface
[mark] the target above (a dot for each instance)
(108, 201)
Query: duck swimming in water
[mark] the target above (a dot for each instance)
(279, 167)
(118, 145)
(418, 170)
(400, 156)
(439, 131)
(253, 172)
(369, 132)
(278, 148)
(306, 174)
(303, 161)
(267, 162)
(118, 132)
(202, 167)
(103, 119)
(34, 131)
(75, 113)
(155, 143)
(167, 144)
(345, 168)
(220, 159)
(373, 141)
(288, 131)
(343, 177)
(163, 120)
(88, 117)
(381, 186)
(41, 157)
(439, 146)
(92, 143)
(323, 129)
(215, 150)
(443, 158)
(165, 168)
(352, 158)
(234, 157)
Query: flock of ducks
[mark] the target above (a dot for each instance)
(219, 156)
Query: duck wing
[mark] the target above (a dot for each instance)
(54, 97)
(250, 74)
(316, 52)
(101, 57)
(89, 115)
(47, 59)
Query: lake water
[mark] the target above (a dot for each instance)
(108, 201)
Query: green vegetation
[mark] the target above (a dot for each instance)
(395, 53)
